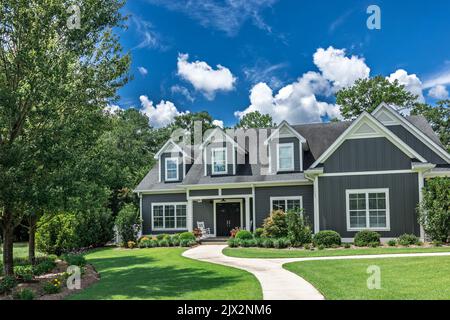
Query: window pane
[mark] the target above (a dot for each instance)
(172, 169)
(285, 156)
(377, 219)
(219, 161)
(158, 211)
(293, 204)
(219, 167)
(285, 163)
(279, 205)
(158, 222)
(285, 151)
(170, 211)
(171, 164)
(219, 155)
(357, 219)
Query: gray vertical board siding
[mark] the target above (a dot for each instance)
(403, 199)
(204, 211)
(230, 150)
(237, 191)
(273, 152)
(148, 199)
(372, 154)
(178, 155)
(203, 193)
(263, 194)
(416, 144)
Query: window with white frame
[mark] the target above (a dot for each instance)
(286, 203)
(169, 216)
(172, 169)
(368, 209)
(285, 157)
(219, 160)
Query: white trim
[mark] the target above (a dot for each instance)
(159, 171)
(366, 173)
(247, 214)
(434, 174)
(413, 130)
(254, 207)
(165, 169)
(382, 239)
(212, 160)
(227, 136)
(291, 146)
(367, 118)
(190, 215)
(170, 141)
(277, 130)
(164, 204)
(366, 192)
(233, 200)
(421, 185)
(285, 199)
(316, 205)
(218, 197)
(140, 214)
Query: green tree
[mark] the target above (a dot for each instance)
(439, 118)
(255, 120)
(368, 94)
(47, 72)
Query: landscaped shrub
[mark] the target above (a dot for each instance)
(131, 245)
(244, 235)
(7, 284)
(187, 243)
(94, 228)
(145, 243)
(128, 223)
(281, 243)
(268, 243)
(321, 247)
(175, 241)
(307, 246)
(408, 240)
(56, 234)
(275, 225)
(74, 259)
(52, 287)
(163, 243)
(24, 273)
(160, 236)
(44, 267)
(24, 294)
(259, 242)
(392, 243)
(233, 243)
(437, 243)
(299, 232)
(374, 244)
(247, 243)
(258, 232)
(187, 236)
(327, 238)
(347, 245)
(434, 210)
(366, 237)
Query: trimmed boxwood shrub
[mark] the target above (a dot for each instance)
(244, 235)
(233, 243)
(187, 243)
(392, 243)
(268, 243)
(187, 236)
(281, 243)
(327, 238)
(258, 232)
(408, 240)
(367, 238)
(163, 243)
(128, 223)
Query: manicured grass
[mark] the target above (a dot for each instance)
(162, 273)
(301, 253)
(20, 251)
(401, 278)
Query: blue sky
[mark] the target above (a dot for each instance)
(286, 58)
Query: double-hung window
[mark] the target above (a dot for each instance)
(172, 169)
(285, 158)
(368, 209)
(286, 203)
(219, 160)
(169, 216)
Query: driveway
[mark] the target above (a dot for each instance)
(276, 282)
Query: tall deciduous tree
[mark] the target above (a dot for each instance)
(255, 120)
(49, 70)
(368, 94)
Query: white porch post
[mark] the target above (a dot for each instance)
(247, 214)
(190, 215)
(316, 205)
(141, 231)
(421, 185)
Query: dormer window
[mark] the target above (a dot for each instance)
(172, 169)
(219, 161)
(285, 157)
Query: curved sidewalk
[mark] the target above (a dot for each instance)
(276, 282)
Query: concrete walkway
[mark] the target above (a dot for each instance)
(276, 282)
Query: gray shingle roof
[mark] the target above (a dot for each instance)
(421, 123)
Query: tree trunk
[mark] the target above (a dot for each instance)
(31, 240)
(8, 242)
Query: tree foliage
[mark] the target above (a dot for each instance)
(255, 120)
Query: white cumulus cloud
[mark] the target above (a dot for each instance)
(143, 71)
(159, 115)
(218, 123)
(112, 108)
(411, 82)
(341, 70)
(438, 92)
(204, 78)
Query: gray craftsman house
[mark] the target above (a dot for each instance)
(347, 176)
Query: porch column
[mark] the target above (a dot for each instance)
(421, 185)
(247, 214)
(190, 215)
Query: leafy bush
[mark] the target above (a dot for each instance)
(347, 245)
(246, 243)
(408, 239)
(131, 244)
(74, 260)
(145, 243)
(24, 294)
(275, 225)
(128, 223)
(244, 234)
(164, 243)
(307, 246)
(392, 243)
(437, 243)
(321, 247)
(44, 267)
(281, 243)
(298, 229)
(434, 212)
(24, 273)
(187, 243)
(374, 244)
(258, 232)
(187, 236)
(52, 287)
(365, 237)
(327, 238)
(268, 243)
(7, 284)
(160, 236)
(56, 234)
(233, 243)
(94, 228)
(259, 242)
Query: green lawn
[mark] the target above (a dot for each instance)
(162, 273)
(401, 278)
(300, 253)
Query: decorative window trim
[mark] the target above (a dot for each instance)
(164, 204)
(292, 167)
(165, 169)
(367, 191)
(285, 199)
(213, 172)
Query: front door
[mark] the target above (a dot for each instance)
(228, 217)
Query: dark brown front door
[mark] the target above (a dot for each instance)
(228, 217)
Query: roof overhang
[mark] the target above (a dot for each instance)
(176, 146)
(277, 133)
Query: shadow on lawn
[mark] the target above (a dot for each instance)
(132, 277)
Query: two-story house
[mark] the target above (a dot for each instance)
(347, 176)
